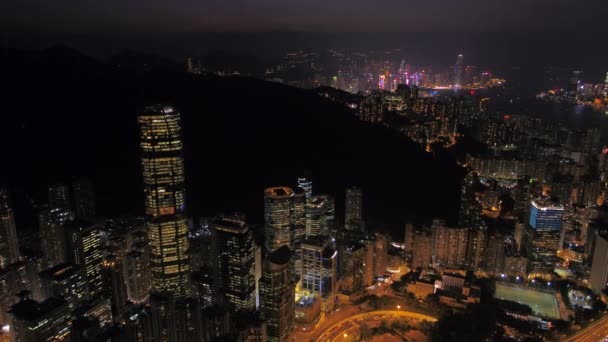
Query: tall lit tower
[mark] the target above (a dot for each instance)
(458, 70)
(277, 301)
(306, 184)
(278, 212)
(606, 86)
(9, 244)
(163, 175)
(234, 269)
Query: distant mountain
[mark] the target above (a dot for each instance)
(141, 62)
(241, 135)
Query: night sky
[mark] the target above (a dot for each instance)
(92, 16)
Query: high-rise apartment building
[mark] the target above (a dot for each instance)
(450, 244)
(422, 252)
(163, 175)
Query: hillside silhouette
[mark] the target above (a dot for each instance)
(67, 115)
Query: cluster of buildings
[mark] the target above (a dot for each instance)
(363, 72)
(160, 278)
(577, 92)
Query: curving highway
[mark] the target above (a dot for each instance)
(594, 332)
(351, 322)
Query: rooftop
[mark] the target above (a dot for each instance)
(60, 272)
(279, 192)
(31, 310)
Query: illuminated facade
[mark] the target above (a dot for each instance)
(450, 244)
(163, 176)
(372, 108)
(546, 216)
(65, 281)
(137, 276)
(543, 235)
(319, 271)
(9, 244)
(298, 232)
(85, 248)
(277, 298)
(458, 71)
(278, 212)
(235, 264)
(306, 184)
(319, 216)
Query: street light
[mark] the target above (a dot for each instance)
(398, 307)
(345, 335)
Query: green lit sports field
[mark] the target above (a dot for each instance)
(543, 304)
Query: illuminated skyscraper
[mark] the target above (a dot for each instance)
(543, 235)
(9, 244)
(319, 270)
(163, 175)
(450, 244)
(353, 216)
(278, 212)
(277, 301)
(234, 250)
(84, 245)
(315, 217)
(137, 275)
(306, 184)
(298, 232)
(458, 71)
(66, 281)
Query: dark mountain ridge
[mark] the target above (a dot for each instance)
(241, 135)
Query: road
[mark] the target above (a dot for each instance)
(350, 324)
(594, 332)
